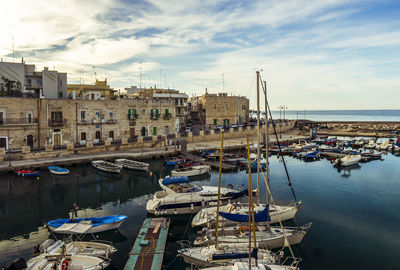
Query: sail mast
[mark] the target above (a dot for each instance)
(258, 135)
(266, 141)
(250, 198)
(219, 188)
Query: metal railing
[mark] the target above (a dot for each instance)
(56, 122)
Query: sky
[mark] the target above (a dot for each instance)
(324, 54)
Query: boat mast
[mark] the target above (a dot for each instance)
(251, 206)
(258, 135)
(266, 140)
(219, 188)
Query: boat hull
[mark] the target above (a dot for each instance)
(137, 166)
(106, 168)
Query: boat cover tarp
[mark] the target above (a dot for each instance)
(95, 221)
(262, 216)
(224, 256)
(71, 228)
(175, 180)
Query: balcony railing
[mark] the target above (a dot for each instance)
(132, 122)
(18, 121)
(133, 116)
(154, 116)
(167, 116)
(112, 121)
(57, 122)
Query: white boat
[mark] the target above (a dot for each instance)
(383, 146)
(47, 262)
(106, 166)
(225, 254)
(132, 164)
(191, 171)
(92, 248)
(179, 184)
(207, 216)
(371, 145)
(347, 160)
(259, 266)
(266, 236)
(174, 203)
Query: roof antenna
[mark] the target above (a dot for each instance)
(12, 37)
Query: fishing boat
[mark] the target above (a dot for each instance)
(207, 216)
(88, 248)
(191, 171)
(241, 265)
(268, 237)
(27, 172)
(58, 170)
(55, 261)
(132, 164)
(86, 225)
(347, 160)
(371, 145)
(312, 156)
(224, 254)
(383, 146)
(106, 166)
(174, 161)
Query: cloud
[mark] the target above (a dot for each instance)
(315, 54)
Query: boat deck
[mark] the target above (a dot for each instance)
(148, 250)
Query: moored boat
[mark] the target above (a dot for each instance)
(58, 170)
(191, 171)
(94, 224)
(347, 160)
(106, 166)
(55, 261)
(27, 172)
(132, 164)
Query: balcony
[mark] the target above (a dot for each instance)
(84, 122)
(154, 116)
(18, 121)
(57, 122)
(167, 116)
(133, 116)
(112, 121)
(132, 122)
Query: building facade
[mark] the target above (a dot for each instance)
(98, 90)
(58, 122)
(220, 109)
(46, 83)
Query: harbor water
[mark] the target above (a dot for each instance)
(355, 212)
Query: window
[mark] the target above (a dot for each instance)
(215, 121)
(111, 114)
(215, 106)
(83, 116)
(226, 105)
(143, 111)
(243, 107)
(29, 118)
(98, 135)
(154, 131)
(56, 117)
(83, 136)
(111, 134)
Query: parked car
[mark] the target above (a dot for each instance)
(249, 124)
(188, 129)
(234, 126)
(218, 127)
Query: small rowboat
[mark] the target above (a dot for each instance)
(106, 166)
(28, 173)
(132, 164)
(58, 170)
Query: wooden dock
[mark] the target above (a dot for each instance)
(148, 251)
(212, 164)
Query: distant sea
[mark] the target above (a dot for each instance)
(340, 115)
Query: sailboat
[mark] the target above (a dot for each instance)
(255, 266)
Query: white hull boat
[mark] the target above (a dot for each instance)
(191, 171)
(383, 146)
(93, 248)
(47, 262)
(207, 216)
(266, 237)
(259, 266)
(106, 166)
(347, 160)
(132, 164)
(210, 256)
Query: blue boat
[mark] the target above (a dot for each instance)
(312, 156)
(58, 170)
(98, 224)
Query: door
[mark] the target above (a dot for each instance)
(98, 135)
(154, 131)
(29, 141)
(132, 133)
(112, 134)
(166, 130)
(226, 122)
(143, 131)
(57, 139)
(1, 117)
(3, 143)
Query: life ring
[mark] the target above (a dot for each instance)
(64, 264)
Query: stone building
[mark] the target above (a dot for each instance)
(58, 122)
(98, 90)
(46, 83)
(220, 109)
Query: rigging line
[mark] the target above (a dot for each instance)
(279, 146)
